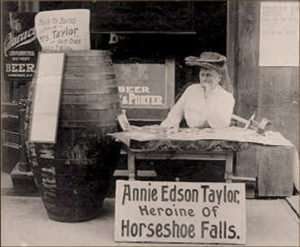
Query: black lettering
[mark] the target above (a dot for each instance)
(195, 195)
(168, 211)
(126, 193)
(160, 211)
(168, 230)
(175, 229)
(204, 228)
(204, 187)
(183, 231)
(180, 197)
(192, 231)
(232, 232)
(152, 211)
(158, 230)
(172, 194)
(213, 231)
(191, 212)
(230, 196)
(142, 225)
(182, 211)
(143, 194)
(217, 193)
(134, 230)
(150, 228)
(124, 227)
(144, 210)
(225, 195)
(211, 196)
(236, 194)
(164, 190)
(154, 195)
(135, 194)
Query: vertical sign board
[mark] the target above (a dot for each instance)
(180, 212)
(46, 98)
(279, 33)
(20, 46)
(63, 30)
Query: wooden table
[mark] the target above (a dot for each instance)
(162, 148)
(209, 144)
(134, 155)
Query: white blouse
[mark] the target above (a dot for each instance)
(214, 111)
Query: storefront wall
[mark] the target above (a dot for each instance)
(271, 92)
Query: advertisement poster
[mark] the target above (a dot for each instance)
(142, 85)
(279, 33)
(20, 47)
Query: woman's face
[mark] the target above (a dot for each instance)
(209, 78)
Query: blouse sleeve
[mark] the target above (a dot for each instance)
(177, 112)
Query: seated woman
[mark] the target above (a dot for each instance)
(205, 104)
(202, 105)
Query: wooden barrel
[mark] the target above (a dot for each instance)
(74, 174)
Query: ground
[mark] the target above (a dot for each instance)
(24, 222)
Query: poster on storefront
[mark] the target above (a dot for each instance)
(62, 30)
(279, 33)
(145, 85)
(180, 212)
(20, 46)
(142, 85)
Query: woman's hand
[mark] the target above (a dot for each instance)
(169, 127)
(207, 88)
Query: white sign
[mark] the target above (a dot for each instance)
(279, 34)
(46, 100)
(63, 30)
(180, 212)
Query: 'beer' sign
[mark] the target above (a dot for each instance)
(180, 212)
(20, 46)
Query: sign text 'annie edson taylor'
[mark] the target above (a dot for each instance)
(180, 212)
(20, 46)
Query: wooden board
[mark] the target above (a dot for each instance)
(270, 92)
(246, 76)
(46, 99)
(275, 172)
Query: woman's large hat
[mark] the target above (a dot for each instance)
(208, 60)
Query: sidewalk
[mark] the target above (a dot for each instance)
(25, 223)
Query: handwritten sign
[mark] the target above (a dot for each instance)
(62, 30)
(279, 34)
(180, 212)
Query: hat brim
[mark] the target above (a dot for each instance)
(212, 60)
(210, 66)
